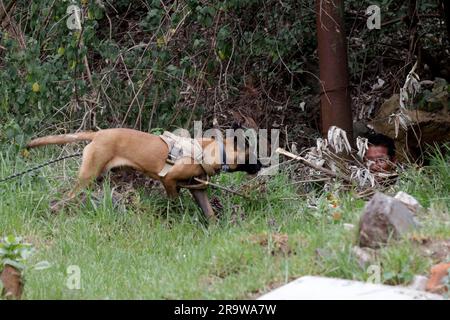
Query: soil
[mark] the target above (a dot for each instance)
(279, 243)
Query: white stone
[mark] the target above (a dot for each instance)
(349, 226)
(321, 288)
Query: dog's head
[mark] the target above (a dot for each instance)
(241, 149)
(236, 150)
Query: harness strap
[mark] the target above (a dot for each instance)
(223, 157)
(170, 140)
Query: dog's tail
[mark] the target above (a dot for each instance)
(62, 139)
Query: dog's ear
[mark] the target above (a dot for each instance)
(249, 123)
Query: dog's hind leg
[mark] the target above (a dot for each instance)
(92, 165)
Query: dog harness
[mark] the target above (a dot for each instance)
(181, 147)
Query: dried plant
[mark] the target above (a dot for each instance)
(362, 144)
(337, 139)
(323, 160)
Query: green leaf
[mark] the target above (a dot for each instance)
(26, 252)
(157, 131)
(10, 239)
(13, 263)
(42, 265)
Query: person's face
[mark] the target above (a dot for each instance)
(381, 162)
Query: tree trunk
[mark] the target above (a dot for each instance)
(446, 10)
(332, 47)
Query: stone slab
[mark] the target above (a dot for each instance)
(321, 288)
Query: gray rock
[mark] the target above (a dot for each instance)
(384, 217)
(409, 201)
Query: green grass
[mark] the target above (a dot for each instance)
(150, 248)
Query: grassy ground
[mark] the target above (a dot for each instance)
(148, 248)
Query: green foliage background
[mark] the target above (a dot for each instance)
(141, 54)
(162, 63)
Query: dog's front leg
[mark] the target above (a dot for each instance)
(201, 197)
(172, 190)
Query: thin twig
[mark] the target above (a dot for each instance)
(204, 184)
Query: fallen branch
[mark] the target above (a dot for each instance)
(365, 194)
(306, 162)
(311, 180)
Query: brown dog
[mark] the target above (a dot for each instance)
(147, 153)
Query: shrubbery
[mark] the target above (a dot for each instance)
(151, 63)
(155, 63)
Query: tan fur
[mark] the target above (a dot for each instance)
(142, 151)
(61, 139)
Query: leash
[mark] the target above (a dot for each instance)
(203, 184)
(40, 166)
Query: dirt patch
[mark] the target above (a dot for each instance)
(128, 177)
(278, 243)
(436, 249)
(124, 185)
(210, 281)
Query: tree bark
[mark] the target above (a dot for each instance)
(333, 62)
(446, 9)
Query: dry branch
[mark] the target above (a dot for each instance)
(5, 10)
(306, 162)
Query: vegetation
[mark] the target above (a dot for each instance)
(14, 252)
(147, 64)
(142, 246)
(157, 65)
